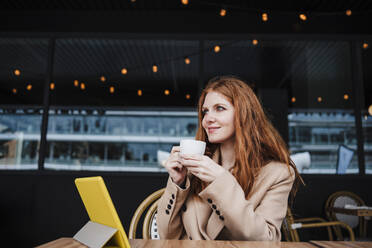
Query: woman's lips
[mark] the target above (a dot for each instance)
(212, 129)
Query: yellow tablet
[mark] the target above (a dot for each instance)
(99, 206)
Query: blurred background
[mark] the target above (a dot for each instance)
(99, 87)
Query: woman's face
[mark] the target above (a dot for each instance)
(218, 120)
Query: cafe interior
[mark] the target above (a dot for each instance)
(106, 88)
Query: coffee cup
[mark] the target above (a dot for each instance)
(189, 146)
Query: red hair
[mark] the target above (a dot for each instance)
(257, 142)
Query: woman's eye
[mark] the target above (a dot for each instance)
(204, 111)
(220, 108)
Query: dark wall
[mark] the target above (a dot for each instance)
(177, 22)
(37, 207)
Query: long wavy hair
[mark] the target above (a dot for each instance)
(257, 142)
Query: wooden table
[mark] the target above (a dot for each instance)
(341, 244)
(143, 243)
(356, 212)
(148, 243)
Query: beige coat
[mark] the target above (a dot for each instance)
(221, 211)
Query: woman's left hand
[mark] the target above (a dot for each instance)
(201, 166)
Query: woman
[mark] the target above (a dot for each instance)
(239, 189)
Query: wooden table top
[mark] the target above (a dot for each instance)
(142, 243)
(148, 243)
(341, 244)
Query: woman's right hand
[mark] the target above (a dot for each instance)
(176, 171)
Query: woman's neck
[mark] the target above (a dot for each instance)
(227, 154)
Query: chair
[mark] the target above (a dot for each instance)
(290, 226)
(149, 227)
(340, 199)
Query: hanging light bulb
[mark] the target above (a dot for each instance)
(346, 96)
(217, 49)
(139, 92)
(188, 96)
(348, 12)
(82, 86)
(319, 99)
(293, 99)
(255, 42)
(14, 90)
(112, 89)
(222, 12)
(365, 45)
(303, 17)
(370, 109)
(187, 61)
(155, 68)
(29, 87)
(166, 92)
(52, 86)
(124, 71)
(184, 2)
(76, 83)
(17, 72)
(103, 79)
(265, 17)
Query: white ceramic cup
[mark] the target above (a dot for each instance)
(189, 146)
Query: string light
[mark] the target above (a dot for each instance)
(222, 12)
(320, 99)
(187, 61)
(303, 17)
(365, 45)
(346, 96)
(29, 87)
(293, 99)
(166, 92)
(155, 68)
(265, 17)
(103, 79)
(52, 86)
(112, 89)
(124, 71)
(254, 42)
(76, 83)
(217, 49)
(184, 2)
(14, 90)
(370, 109)
(348, 12)
(139, 92)
(17, 72)
(82, 86)
(188, 96)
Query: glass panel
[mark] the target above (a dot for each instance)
(108, 76)
(367, 105)
(321, 118)
(22, 75)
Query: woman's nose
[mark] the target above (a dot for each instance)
(210, 118)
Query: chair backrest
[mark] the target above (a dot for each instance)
(340, 199)
(149, 226)
(290, 233)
